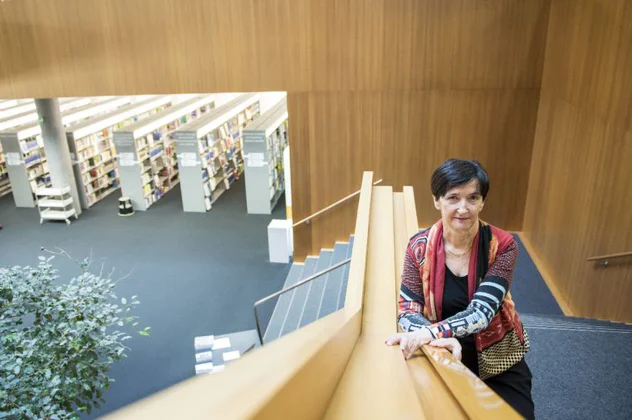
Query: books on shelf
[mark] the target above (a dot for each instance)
(265, 141)
(94, 153)
(210, 154)
(148, 153)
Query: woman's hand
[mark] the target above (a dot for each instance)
(452, 344)
(410, 342)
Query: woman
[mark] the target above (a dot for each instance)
(455, 287)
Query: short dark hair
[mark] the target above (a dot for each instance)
(455, 172)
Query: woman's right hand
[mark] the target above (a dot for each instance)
(410, 342)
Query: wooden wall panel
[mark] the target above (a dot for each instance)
(403, 136)
(78, 48)
(579, 196)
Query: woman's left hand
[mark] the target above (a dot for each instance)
(452, 344)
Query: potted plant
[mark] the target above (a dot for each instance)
(59, 339)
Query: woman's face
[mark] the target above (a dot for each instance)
(460, 206)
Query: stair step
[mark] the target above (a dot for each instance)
(345, 277)
(329, 301)
(564, 322)
(283, 303)
(299, 295)
(315, 291)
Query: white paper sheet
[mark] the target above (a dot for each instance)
(203, 368)
(205, 356)
(13, 159)
(221, 343)
(204, 342)
(231, 355)
(255, 160)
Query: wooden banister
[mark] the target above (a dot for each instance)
(376, 383)
(611, 256)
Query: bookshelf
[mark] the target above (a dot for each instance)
(210, 156)
(147, 160)
(265, 140)
(92, 148)
(25, 157)
(5, 184)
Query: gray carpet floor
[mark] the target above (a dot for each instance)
(195, 274)
(199, 274)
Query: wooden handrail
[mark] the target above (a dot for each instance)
(376, 383)
(292, 377)
(611, 256)
(331, 206)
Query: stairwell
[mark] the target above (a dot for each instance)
(313, 300)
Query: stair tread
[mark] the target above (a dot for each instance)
(345, 276)
(315, 292)
(282, 305)
(298, 298)
(571, 322)
(329, 301)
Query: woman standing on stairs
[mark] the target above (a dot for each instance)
(455, 288)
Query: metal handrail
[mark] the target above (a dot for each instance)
(331, 206)
(611, 256)
(292, 287)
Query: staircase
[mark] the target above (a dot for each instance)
(568, 323)
(315, 299)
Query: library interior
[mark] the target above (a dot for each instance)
(240, 209)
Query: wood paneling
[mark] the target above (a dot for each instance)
(77, 48)
(579, 196)
(403, 136)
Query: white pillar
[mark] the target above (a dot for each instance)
(56, 147)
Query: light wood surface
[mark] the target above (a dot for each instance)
(579, 197)
(357, 271)
(54, 48)
(401, 238)
(403, 136)
(376, 383)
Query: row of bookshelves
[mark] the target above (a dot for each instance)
(148, 162)
(210, 152)
(23, 147)
(147, 145)
(264, 143)
(92, 146)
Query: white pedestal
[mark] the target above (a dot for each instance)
(279, 243)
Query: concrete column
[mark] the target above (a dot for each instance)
(56, 147)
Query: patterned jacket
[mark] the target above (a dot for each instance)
(491, 316)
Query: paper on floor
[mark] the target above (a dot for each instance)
(204, 342)
(221, 343)
(230, 355)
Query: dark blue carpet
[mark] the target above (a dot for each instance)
(581, 375)
(528, 289)
(195, 274)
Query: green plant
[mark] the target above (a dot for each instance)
(59, 339)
